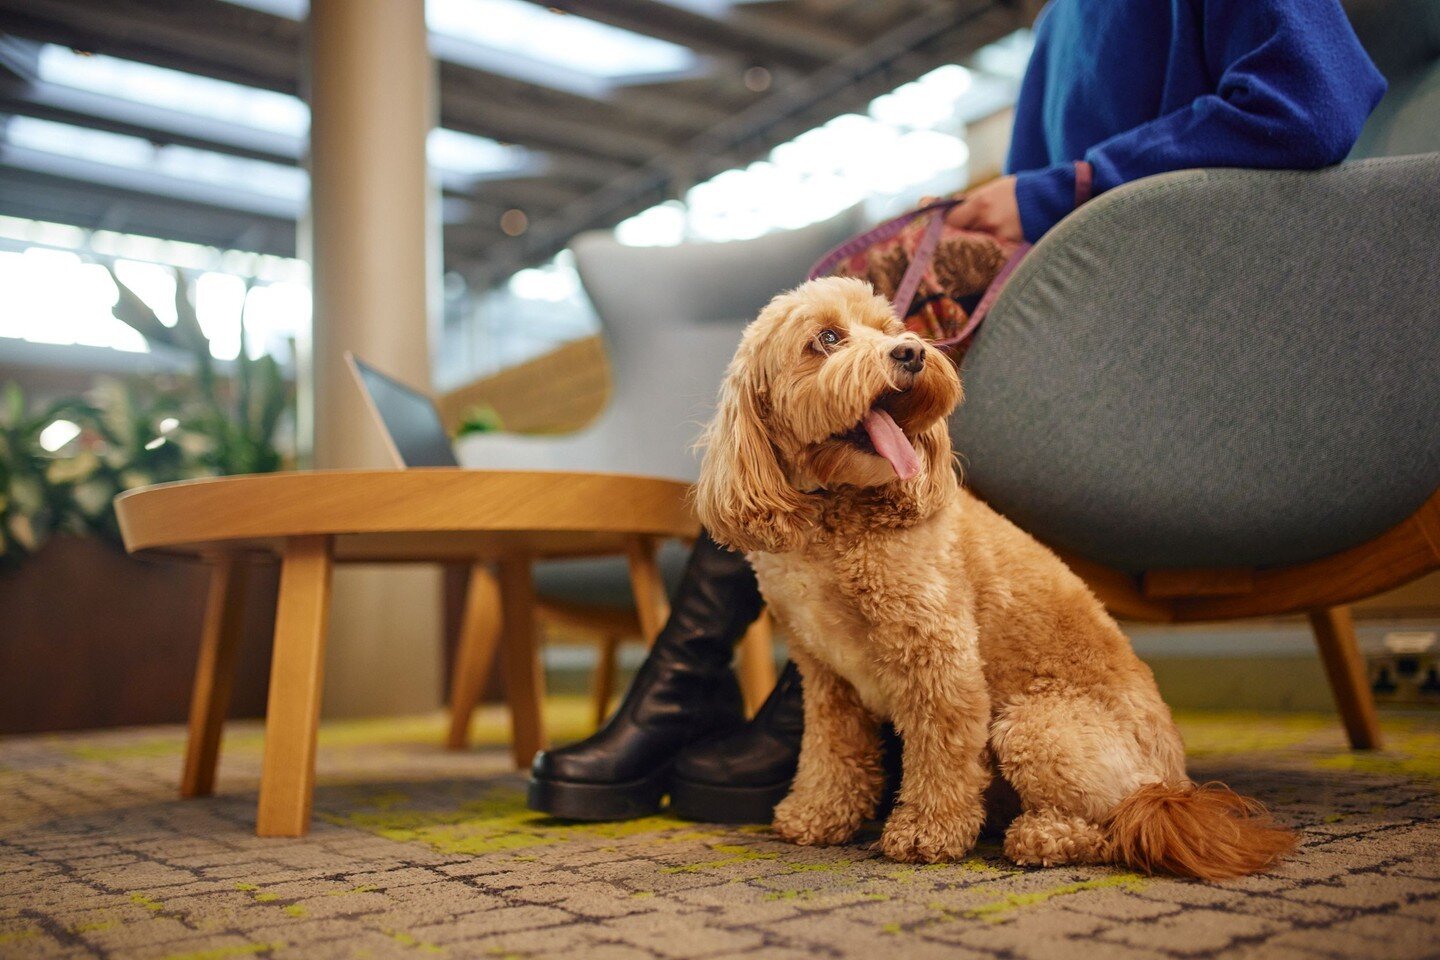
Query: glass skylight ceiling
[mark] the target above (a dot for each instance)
(512, 32)
(173, 90)
(519, 39)
(259, 186)
(909, 140)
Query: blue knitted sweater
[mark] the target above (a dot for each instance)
(1139, 87)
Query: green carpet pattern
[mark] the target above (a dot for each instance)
(417, 852)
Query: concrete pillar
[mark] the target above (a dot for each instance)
(372, 240)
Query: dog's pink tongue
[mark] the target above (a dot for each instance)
(891, 443)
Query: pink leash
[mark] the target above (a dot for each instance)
(924, 253)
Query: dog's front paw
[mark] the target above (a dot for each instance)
(919, 836)
(813, 824)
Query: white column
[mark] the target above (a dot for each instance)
(372, 239)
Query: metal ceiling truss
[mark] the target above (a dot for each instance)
(605, 159)
(947, 33)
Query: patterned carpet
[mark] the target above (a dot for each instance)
(420, 852)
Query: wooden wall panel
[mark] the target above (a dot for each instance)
(559, 392)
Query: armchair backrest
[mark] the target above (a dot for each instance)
(1217, 368)
(671, 318)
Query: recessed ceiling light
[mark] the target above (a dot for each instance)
(514, 222)
(756, 79)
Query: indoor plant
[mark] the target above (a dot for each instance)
(92, 636)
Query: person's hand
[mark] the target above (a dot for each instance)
(991, 209)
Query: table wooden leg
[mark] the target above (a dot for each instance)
(757, 662)
(292, 717)
(1340, 653)
(651, 604)
(214, 675)
(604, 684)
(479, 636)
(524, 677)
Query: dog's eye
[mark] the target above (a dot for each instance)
(828, 338)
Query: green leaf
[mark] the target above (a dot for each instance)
(93, 496)
(273, 396)
(481, 418)
(14, 406)
(244, 371)
(131, 310)
(23, 531)
(187, 322)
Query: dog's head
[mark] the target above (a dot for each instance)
(826, 392)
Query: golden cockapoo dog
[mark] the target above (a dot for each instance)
(907, 599)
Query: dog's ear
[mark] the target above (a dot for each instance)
(744, 498)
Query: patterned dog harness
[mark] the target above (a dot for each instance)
(938, 315)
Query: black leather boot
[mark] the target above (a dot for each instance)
(740, 778)
(684, 692)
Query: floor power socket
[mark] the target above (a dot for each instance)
(1408, 670)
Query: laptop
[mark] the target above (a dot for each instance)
(408, 418)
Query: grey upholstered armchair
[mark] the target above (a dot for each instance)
(1218, 391)
(1215, 391)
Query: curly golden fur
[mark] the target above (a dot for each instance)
(912, 601)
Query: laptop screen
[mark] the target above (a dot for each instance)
(408, 416)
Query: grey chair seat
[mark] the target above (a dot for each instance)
(1218, 368)
(603, 580)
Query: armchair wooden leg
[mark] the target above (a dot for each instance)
(604, 684)
(1339, 651)
(524, 677)
(651, 604)
(757, 662)
(292, 717)
(475, 655)
(214, 674)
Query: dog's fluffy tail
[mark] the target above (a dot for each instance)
(1206, 831)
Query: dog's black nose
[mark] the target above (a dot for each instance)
(909, 356)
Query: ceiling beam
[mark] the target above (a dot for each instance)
(588, 131)
(83, 108)
(150, 182)
(96, 206)
(45, 196)
(206, 37)
(537, 196)
(624, 109)
(97, 111)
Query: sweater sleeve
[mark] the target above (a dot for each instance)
(1028, 150)
(1294, 88)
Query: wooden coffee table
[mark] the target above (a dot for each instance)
(313, 520)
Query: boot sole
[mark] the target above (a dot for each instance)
(572, 800)
(712, 803)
